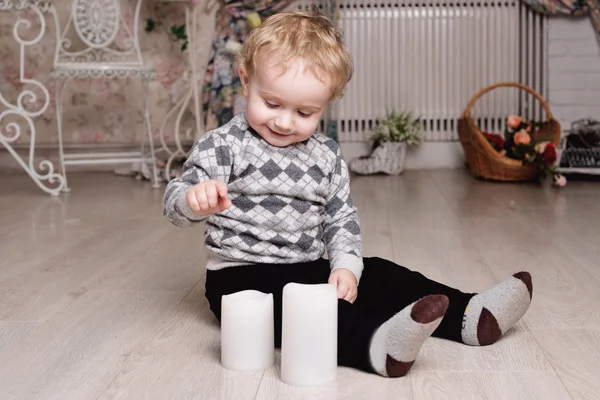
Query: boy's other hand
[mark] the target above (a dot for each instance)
(346, 284)
(208, 197)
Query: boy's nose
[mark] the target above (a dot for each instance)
(283, 122)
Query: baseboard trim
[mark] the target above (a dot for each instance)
(49, 151)
(9, 164)
(427, 155)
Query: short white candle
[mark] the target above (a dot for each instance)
(309, 334)
(247, 335)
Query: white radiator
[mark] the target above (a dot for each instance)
(432, 57)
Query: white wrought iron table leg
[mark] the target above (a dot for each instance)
(13, 129)
(181, 106)
(61, 88)
(145, 84)
(191, 17)
(193, 35)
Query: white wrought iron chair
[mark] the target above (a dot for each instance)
(87, 47)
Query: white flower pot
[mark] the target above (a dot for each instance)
(388, 158)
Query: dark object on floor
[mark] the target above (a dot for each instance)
(582, 147)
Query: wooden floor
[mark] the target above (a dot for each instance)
(100, 297)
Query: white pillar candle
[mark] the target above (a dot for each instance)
(309, 334)
(247, 335)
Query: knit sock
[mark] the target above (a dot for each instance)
(491, 313)
(396, 343)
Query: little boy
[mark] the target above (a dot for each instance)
(275, 197)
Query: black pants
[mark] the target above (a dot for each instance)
(384, 289)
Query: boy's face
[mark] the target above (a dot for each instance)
(285, 108)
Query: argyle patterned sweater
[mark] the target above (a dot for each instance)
(289, 204)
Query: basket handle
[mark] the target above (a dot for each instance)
(483, 91)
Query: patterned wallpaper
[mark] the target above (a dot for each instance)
(104, 111)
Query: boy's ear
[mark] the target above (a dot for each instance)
(244, 79)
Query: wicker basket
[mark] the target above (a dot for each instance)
(483, 160)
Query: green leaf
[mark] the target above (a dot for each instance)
(179, 31)
(150, 24)
(398, 127)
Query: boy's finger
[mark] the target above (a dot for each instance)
(351, 296)
(332, 280)
(193, 202)
(343, 290)
(348, 295)
(211, 196)
(224, 204)
(221, 189)
(202, 200)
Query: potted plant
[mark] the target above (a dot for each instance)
(390, 138)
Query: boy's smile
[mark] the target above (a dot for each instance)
(285, 105)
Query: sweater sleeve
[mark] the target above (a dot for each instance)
(341, 229)
(211, 158)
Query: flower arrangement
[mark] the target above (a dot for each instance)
(398, 127)
(518, 143)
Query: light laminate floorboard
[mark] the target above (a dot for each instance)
(101, 298)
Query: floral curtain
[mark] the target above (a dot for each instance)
(222, 96)
(569, 7)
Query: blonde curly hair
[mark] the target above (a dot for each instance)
(308, 35)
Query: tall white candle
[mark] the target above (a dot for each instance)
(247, 335)
(309, 334)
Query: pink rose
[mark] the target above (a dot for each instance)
(513, 121)
(522, 137)
(560, 180)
